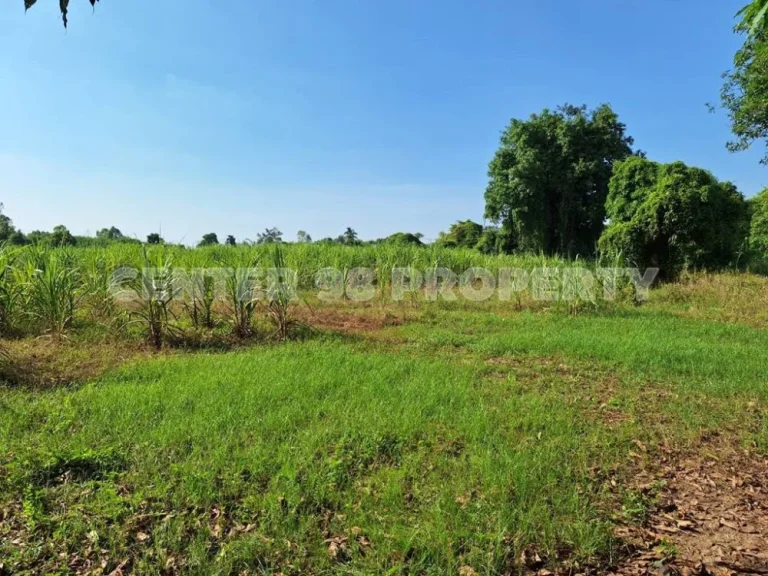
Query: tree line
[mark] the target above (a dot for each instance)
(568, 182)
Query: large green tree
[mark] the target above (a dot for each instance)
(745, 91)
(672, 216)
(548, 181)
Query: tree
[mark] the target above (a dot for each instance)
(549, 179)
(758, 232)
(405, 238)
(461, 234)
(230, 241)
(349, 238)
(269, 236)
(39, 237)
(17, 238)
(671, 216)
(209, 239)
(154, 238)
(496, 240)
(303, 238)
(63, 6)
(62, 237)
(7, 229)
(745, 91)
(109, 234)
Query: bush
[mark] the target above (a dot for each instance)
(672, 217)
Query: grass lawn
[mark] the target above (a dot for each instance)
(462, 442)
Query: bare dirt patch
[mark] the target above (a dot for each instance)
(347, 321)
(711, 518)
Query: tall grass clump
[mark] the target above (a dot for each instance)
(200, 298)
(10, 292)
(154, 289)
(53, 289)
(241, 300)
(281, 291)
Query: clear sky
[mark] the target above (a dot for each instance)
(204, 115)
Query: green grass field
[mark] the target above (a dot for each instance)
(460, 441)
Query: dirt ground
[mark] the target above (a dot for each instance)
(711, 517)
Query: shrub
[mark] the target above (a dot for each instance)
(672, 217)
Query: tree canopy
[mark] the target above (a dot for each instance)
(548, 181)
(404, 238)
(210, 239)
(461, 234)
(672, 216)
(745, 91)
(270, 236)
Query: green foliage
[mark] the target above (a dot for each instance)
(349, 238)
(745, 91)
(61, 236)
(759, 225)
(404, 238)
(303, 238)
(200, 298)
(241, 300)
(209, 239)
(53, 289)
(109, 234)
(155, 288)
(280, 292)
(230, 241)
(497, 240)
(671, 216)
(155, 238)
(269, 236)
(461, 234)
(549, 179)
(10, 290)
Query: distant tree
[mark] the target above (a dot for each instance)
(209, 239)
(745, 91)
(17, 238)
(109, 234)
(671, 216)
(154, 238)
(63, 6)
(548, 181)
(303, 238)
(269, 236)
(39, 237)
(230, 241)
(349, 238)
(404, 238)
(496, 240)
(758, 233)
(461, 234)
(7, 229)
(62, 237)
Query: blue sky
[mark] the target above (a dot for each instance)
(202, 115)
